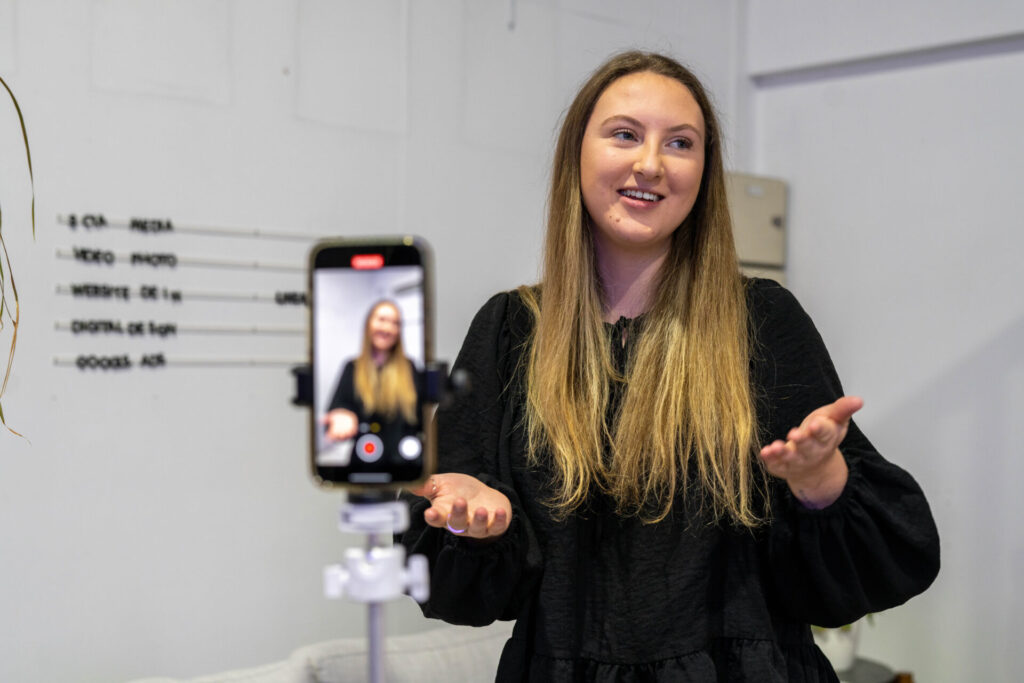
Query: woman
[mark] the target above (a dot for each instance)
(605, 482)
(379, 386)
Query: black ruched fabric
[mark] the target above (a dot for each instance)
(600, 597)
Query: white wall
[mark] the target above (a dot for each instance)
(163, 522)
(898, 127)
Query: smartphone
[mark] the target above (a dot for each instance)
(371, 345)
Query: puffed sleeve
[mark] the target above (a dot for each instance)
(876, 546)
(474, 582)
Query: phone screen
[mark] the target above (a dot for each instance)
(370, 348)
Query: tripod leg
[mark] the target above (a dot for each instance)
(375, 628)
(375, 623)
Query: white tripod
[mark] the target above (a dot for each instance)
(378, 573)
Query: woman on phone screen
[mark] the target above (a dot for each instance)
(378, 389)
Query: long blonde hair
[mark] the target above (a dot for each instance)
(686, 421)
(389, 390)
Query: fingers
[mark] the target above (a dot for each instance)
(434, 517)
(422, 491)
(817, 428)
(427, 490)
(843, 408)
(478, 524)
(464, 506)
(776, 449)
(499, 524)
(485, 524)
(458, 520)
(455, 518)
(826, 424)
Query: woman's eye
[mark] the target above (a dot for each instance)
(682, 143)
(624, 134)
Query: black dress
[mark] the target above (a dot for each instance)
(601, 597)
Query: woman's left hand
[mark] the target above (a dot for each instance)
(341, 424)
(809, 459)
(465, 505)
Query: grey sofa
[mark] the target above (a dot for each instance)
(448, 653)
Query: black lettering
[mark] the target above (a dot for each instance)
(290, 298)
(72, 221)
(136, 328)
(150, 225)
(94, 291)
(93, 255)
(94, 221)
(96, 326)
(93, 362)
(154, 259)
(153, 360)
(148, 292)
(162, 329)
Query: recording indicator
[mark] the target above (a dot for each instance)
(368, 261)
(369, 448)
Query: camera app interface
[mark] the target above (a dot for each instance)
(368, 361)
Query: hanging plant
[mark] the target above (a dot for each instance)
(839, 645)
(10, 310)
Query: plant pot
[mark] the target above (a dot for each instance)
(839, 644)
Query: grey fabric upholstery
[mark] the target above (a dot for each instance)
(442, 655)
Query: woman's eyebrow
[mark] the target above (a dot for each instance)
(633, 122)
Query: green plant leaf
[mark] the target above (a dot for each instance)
(14, 324)
(28, 152)
(5, 257)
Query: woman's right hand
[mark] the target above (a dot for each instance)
(465, 506)
(341, 424)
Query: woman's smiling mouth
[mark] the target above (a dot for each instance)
(641, 195)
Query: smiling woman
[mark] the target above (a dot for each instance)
(637, 473)
(380, 384)
(642, 160)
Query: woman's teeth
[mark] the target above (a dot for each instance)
(638, 194)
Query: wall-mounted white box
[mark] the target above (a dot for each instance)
(758, 208)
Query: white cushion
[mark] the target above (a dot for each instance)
(451, 653)
(448, 654)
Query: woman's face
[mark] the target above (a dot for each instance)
(641, 161)
(384, 327)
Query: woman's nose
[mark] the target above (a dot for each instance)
(648, 163)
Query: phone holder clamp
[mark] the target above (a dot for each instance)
(377, 574)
